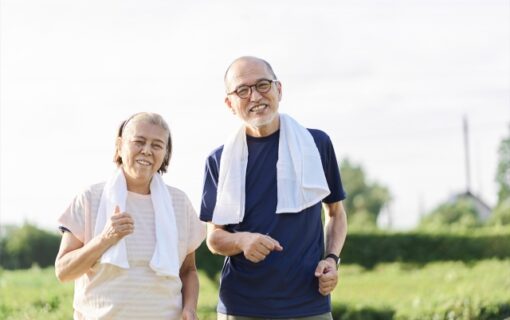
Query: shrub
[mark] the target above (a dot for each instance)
(368, 249)
(458, 214)
(209, 263)
(345, 312)
(29, 245)
(500, 215)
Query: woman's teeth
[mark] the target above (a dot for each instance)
(143, 162)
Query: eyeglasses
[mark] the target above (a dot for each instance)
(262, 86)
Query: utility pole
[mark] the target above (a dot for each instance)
(466, 150)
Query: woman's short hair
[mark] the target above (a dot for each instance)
(152, 118)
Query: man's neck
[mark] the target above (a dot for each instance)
(264, 130)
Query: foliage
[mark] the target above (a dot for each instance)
(503, 171)
(457, 214)
(209, 263)
(349, 312)
(34, 294)
(362, 221)
(27, 245)
(500, 215)
(448, 290)
(365, 199)
(2, 250)
(369, 249)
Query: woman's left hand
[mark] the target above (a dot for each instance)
(189, 315)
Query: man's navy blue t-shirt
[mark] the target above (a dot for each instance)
(283, 285)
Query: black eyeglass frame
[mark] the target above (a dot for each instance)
(271, 81)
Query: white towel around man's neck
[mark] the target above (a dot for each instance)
(165, 260)
(301, 182)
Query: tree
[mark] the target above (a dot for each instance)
(501, 213)
(459, 213)
(28, 245)
(364, 199)
(503, 171)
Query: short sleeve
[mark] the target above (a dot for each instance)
(210, 189)
(73, 218)
(196, 228)
(330, 165)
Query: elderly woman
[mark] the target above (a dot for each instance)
(130, 243)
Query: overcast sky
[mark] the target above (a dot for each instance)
(389, 81)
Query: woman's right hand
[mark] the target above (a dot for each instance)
(118, 226)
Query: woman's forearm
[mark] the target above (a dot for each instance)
(190, 287)
(190, 284)
(74, 259)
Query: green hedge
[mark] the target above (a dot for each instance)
(346, 312)
(27, 245)
(209, 263)
(368, 249)
(460, 311)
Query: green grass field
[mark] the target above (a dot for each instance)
(435, 291)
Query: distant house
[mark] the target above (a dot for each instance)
(482, 208)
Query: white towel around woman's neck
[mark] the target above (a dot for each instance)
(165, 260)
(301, 182)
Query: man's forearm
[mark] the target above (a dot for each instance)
(336, 228)
(223, 242)
(255, 246)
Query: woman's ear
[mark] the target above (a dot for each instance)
(118, 147)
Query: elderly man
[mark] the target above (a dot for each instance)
(262, 197)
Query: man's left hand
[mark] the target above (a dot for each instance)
(328, 276)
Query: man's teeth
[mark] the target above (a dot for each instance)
(258, 107)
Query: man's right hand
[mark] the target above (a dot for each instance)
(257, 246)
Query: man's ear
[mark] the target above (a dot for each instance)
(229, 104)
(279, 88)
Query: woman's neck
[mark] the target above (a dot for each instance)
(141, 187)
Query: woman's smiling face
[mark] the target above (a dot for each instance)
(142, 148)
